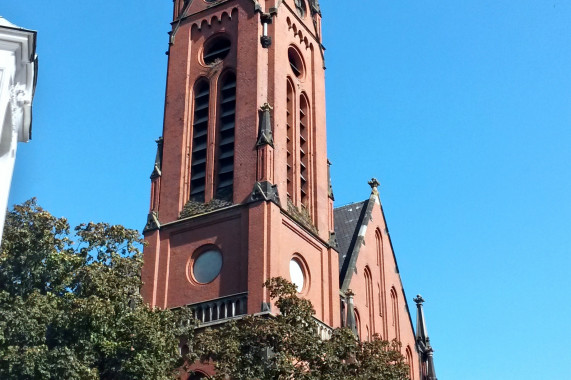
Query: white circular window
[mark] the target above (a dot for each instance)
(296, 274)
(207, 266)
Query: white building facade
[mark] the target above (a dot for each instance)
(18, 73)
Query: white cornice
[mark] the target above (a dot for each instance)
(18, 57)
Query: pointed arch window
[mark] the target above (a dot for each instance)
(199, 140)
(409, 361)
(383, 333)
(369, 298)
(225, 138)
(358, 323)
(395, 313)
(379, 240)
(382, 287)
(290, 139)
(299, 132)
(304, 149)
(211, 142)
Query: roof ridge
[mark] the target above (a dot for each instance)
(350, 204)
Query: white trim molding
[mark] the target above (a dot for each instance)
(18, 73)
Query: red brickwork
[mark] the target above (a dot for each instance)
(387, 314)
(259, 237)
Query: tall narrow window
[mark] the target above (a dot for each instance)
(383, 333)
(379, 240)
(367, 285)
(226, 121)
(290, 139)
(382, 288)
(199, 140)
(395, 312)
(369, 299)
(409, 361)
(358, 323)
(303, 149)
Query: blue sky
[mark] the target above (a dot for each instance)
(462, 110)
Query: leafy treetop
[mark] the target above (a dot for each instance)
(287, 346)
(70, 306)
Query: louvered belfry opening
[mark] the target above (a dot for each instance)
(217, 49)
(199, 140)
(295, 62)
(226, 127)
(290, 140)
(303, 149)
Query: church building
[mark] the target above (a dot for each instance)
(241, 191)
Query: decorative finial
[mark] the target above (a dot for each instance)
(374, 183)
(158, 159)
(330, 191)
(419, 300)
(265, 136)
(266, 107)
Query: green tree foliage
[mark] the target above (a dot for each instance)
(287, 347)
(70, 306)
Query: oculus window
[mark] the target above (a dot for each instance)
(207, 266)
(296, 274)
(295, 62)
(216, 50)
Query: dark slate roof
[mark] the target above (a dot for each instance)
(347, 221)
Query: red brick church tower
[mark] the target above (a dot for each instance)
(240, 189)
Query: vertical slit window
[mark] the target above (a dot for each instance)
(290, 140)
(226, 122)
(199, 141)
(383, 333)
(369, 299)
(410, 363)
(395, 312)
(303, 149)
(358, 323)
(382, 288)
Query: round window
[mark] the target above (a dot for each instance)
(296, 274)
(216, 50)
(207, 266)
(295, 61)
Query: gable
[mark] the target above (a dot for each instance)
(370, 272)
